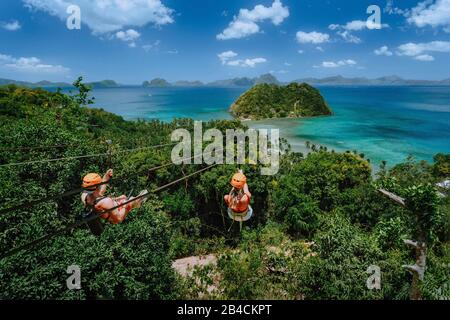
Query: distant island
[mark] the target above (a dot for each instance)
(103, 84)
(244, 82)
(382, 81)
(235, 82)
(49, 84)
(265, 101)
(156, 83)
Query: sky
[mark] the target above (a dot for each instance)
(135, 40)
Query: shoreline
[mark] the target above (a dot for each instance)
(298, 143)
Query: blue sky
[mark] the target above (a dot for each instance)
(135, 40)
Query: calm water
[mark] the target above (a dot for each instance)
(384, 123)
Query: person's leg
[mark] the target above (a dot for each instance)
(138, 203)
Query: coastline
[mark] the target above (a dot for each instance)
(288, 130)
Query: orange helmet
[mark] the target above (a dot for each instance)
(239, 180)
(91, 181)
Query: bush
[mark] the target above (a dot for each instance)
(344, 253)
(128, 261)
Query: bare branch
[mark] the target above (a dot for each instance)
(393, 197)
(411, 243)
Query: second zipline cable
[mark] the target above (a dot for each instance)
(81, 157)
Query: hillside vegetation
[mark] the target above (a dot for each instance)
(318, 225)
(273, 101)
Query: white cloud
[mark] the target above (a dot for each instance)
(341, 63)
(174, 51)
(383, 51)
(312, 37)
(246, 62)
(300, 51)
(348, 37)
(6, 58)
(424, 57)
(431, 13)
(245, 24)
(416, 49)
(227, 58)
(320, 49)
(11, 26)
(129, 35)
(391, 9)
(287, 64)
(103, 16)
(358, 25)
(345, 31)
(152, 46)
(30, 65)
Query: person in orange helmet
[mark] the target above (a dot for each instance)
(238, 200)
(93, 197)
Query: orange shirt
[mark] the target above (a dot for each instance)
(242, 204)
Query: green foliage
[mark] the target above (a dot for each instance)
(128, 261)
(422, 201)
(441, 167)
(260, 268)
(314, 186)
(82, 97)
(339, 269)
(273, 101)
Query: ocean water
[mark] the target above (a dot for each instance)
(167, 103)
(384, 123)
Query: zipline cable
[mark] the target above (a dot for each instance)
(38, 147)
(97, 155)
(48, 198)
(168, 164)
(96, 216)
(82, 156)
(59, 196)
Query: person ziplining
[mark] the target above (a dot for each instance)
(95, 201)
(238, 200)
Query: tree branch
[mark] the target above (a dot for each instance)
(393, 197)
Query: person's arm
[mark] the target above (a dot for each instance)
(106, 178)
(247, 192)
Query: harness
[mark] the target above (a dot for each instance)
(95, 225)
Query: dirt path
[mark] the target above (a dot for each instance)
(186, 266)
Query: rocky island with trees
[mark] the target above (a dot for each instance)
(264, 101)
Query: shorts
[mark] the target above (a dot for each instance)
(242, 216)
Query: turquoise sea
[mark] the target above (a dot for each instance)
(384, 123)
